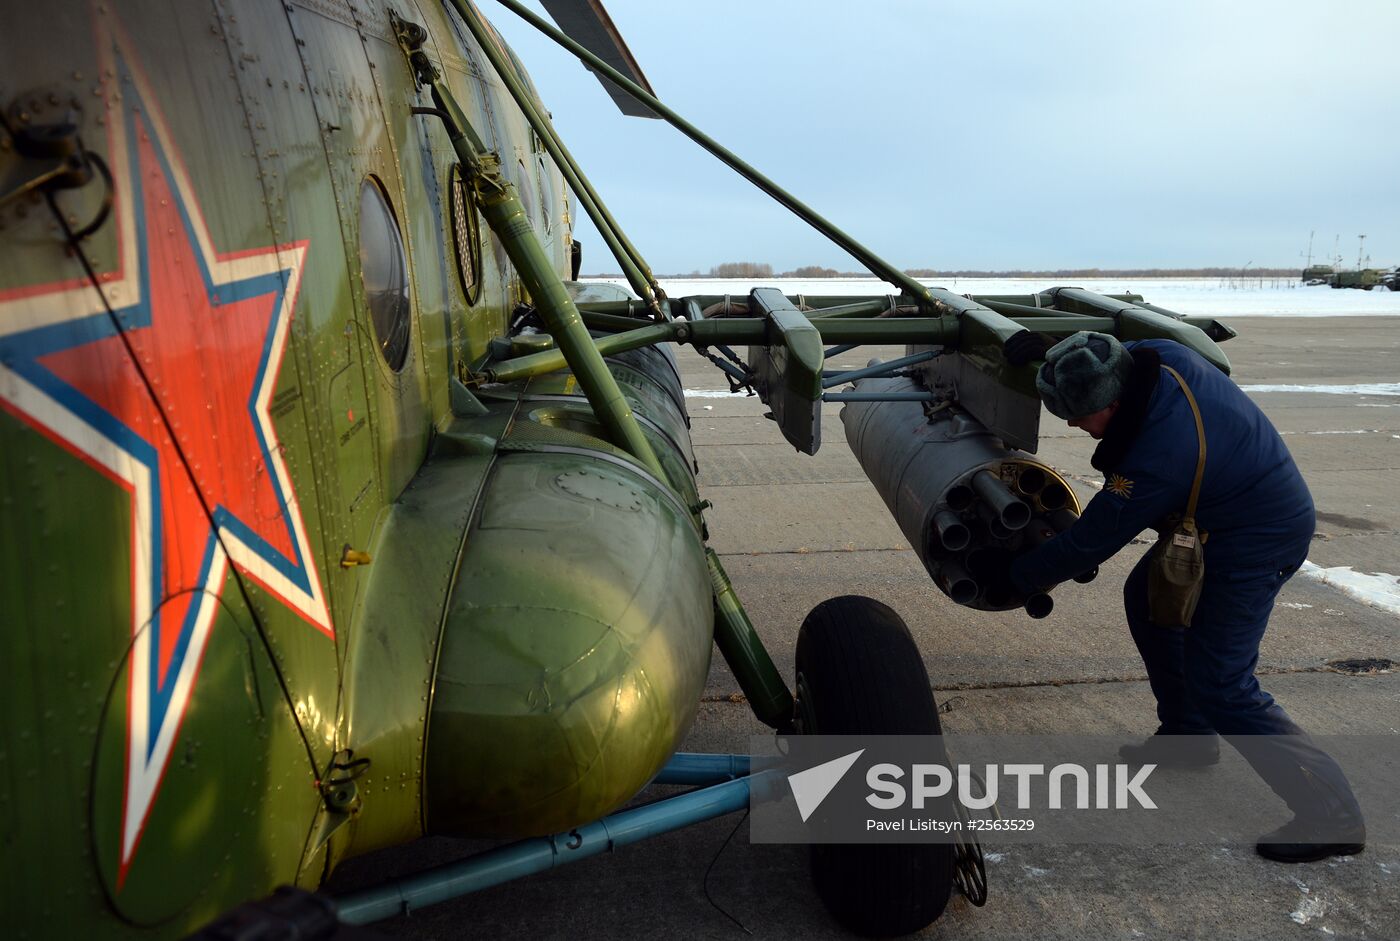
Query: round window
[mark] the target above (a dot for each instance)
(465, 236)
(384, 268)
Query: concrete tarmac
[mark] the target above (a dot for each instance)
(795, 530)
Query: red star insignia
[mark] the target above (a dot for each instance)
(173, 408)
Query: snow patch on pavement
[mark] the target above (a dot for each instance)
(1309, 907)
(1378, 590)
(712, 394)
(1364, 388)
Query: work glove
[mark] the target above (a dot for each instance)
(1026, 346)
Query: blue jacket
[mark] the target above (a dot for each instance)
(1253, 502)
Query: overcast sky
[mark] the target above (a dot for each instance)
(996, 134)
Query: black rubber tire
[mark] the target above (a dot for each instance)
(860, 673)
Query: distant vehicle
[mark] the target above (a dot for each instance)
(1317, 274)
(1363, 278)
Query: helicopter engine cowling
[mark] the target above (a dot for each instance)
(579, 631)
(966, 503)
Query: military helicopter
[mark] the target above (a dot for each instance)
(336, 511)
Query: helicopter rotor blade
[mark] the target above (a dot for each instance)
(588, 23)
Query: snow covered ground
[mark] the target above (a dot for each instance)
(1377, 589)
(1200, 297)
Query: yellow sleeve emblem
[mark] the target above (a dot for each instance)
(1118, 485)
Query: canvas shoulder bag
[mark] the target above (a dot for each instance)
(1178, 569)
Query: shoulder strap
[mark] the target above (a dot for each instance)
(1200, 439)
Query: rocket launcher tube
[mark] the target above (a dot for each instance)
(953, 534)
(958, 584)
(1039, 605)
(992, 518)
(959, 497)
(1012, 513)
(942, 475)
(1053, 496)
(1031, 481)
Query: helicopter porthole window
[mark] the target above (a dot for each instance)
(466, 235)
(384, 269)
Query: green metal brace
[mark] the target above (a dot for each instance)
(763, 686)
(501, 208)
(734, 632)
(636, 270)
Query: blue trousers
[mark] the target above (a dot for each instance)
(1204, 682)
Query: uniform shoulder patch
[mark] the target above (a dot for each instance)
(1118, 485)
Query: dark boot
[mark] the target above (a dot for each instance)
(1299, 841)
(1174, 751)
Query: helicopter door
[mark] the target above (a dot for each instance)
(339, 344)
(358, 77)
(294, 114)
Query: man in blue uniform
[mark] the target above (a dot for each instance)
(1259, 518)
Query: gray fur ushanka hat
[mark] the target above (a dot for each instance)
(1083, 373)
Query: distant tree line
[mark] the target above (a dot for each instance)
(741, 269)
(732, 270)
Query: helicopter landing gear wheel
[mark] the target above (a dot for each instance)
(860, 673)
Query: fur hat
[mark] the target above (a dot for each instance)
(1083, 373)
